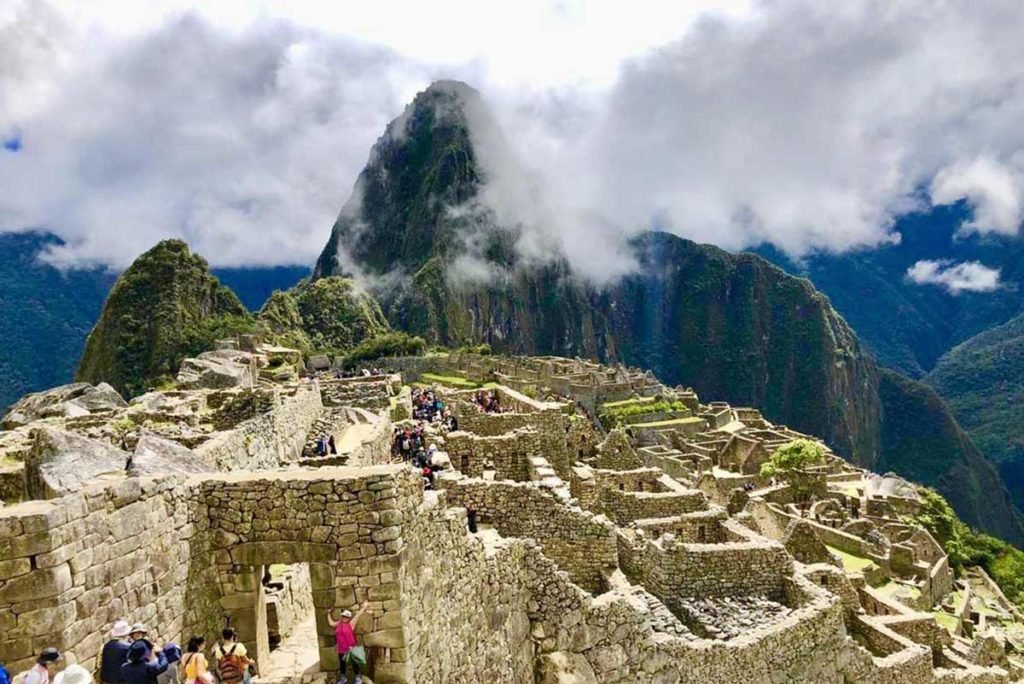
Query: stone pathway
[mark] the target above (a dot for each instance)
(296, 660)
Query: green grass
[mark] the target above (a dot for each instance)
(450, 380)
(852, 563)
(666, 423)
(946, 621)
(626, 402)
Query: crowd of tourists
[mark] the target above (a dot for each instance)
(487, 402)
(131, 657)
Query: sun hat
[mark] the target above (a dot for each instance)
(49, 655)
(139, 627)
(121, 629)
(76, 674)
(346, 613)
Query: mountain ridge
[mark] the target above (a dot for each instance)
(734, 326)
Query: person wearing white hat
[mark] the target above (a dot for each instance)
(73, 674)
(115, 654)
(350, 654)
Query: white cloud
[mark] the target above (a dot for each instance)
(966, 276)
(994, 191)
(241, 126)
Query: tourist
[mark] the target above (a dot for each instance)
(145, 663)
(349, 654)
(139, 633)
(232, 659)
(172, 674)
(40, 672)
(330, 443)
(194, 665)
(73, 674)
(115, 654)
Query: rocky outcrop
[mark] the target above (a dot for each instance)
(63, 462)
(165, 307)
(219, 369)
(156, 456)
(66, 401)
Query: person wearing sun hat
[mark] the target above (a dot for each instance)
(40, 672)
(115, 654)
(73, 674)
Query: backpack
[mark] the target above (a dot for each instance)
(5, 676)
(229, 667)
(19, 678)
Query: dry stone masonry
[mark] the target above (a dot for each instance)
(552, 548)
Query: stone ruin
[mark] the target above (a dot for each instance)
(549, 550)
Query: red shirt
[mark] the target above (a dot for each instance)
(345, 636)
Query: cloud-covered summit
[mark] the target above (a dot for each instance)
(809, 125)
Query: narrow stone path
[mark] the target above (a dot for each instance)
(296, 660)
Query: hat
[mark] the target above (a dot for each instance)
(139, 627)
(121, 629)
(138, 651)
(76, 674)
(49, 655)
(433, 448)
(173, 652)
(346, 613)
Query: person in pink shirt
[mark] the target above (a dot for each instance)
(349, 654)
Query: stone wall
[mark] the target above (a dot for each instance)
(345, 522)
(371, 393)
(674, 570)
(289, 606)
(12, 483)
(551, 428)
(507, 454)
(466, 608)
(271, 439)
(580, 543)
(70, 567)
(625, 507)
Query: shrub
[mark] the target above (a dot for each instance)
(388, 344)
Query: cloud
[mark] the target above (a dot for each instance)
(994, 190)
(966, 276)
(806, 124)
(244, 144)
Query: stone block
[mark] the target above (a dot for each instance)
(14, 568)
(386, 638)
(38, 584)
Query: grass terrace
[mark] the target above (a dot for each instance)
(947, 621)
(852, 563)
(455, 381)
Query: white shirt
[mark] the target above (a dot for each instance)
(38, 675)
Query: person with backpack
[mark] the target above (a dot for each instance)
(349, 653)
(40, 672)
(232, 659)
(145, 663)
(194, 665)
(5, 675)
(115, 654)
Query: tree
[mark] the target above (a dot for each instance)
(791, 463)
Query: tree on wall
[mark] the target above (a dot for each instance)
(792, 462)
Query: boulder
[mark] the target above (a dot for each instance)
(561, 667)
(219, 369)
(62, 462)
(155, 455)
(66, 401)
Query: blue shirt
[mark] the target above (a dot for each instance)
(115, 654)
(144, 672)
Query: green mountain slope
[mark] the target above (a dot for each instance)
(983, 381)
(166, 306)
(733, 326)
(45, 317)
